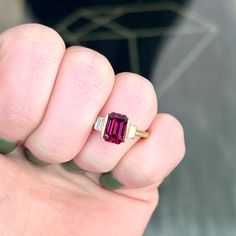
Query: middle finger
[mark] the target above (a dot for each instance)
(83, 84)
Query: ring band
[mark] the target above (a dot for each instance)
(116, 128)
(142, 134)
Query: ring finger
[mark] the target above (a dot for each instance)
(133, 96)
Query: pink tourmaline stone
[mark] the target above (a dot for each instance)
(115, 128)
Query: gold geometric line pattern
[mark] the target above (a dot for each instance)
(209, 36)
(187, 61)
(105, 15)
(144, 33)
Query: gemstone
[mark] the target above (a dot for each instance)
(115, 129)
(98, 124)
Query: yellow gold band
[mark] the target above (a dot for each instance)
(142, 134)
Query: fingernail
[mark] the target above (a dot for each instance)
(6, 146)
(71, 166)
(33, 159)
(108, 181)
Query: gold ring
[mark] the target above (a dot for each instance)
(116, 128)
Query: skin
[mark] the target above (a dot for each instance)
(49, 99)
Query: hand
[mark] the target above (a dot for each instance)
(49, 100)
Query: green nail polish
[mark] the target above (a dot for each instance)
(108, 181)
(6, 146)
(30, 157)
(71, 166)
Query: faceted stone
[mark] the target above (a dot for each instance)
(115, 129)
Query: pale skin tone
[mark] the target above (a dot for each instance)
(49, 99)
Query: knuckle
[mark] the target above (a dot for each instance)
(93, 58)
(98, 75)
(35, 34)
(137, 81)
(140, 89)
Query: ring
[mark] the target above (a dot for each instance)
(116, 128)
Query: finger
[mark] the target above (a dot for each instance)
(150, 160)
(30, 56)
(133, 96)
(84, 82)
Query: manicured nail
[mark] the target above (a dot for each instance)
(108, 181)
(71, 166)
(7, 146)
(33, 159)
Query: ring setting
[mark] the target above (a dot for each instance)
(117, 128)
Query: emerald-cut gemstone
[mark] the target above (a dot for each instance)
(116, 127)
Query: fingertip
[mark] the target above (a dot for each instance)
(7, 146)
(72, 167)
(32, 158)
(109, 181)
